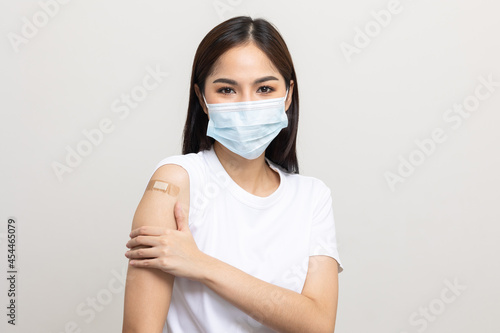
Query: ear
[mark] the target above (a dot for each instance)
(200, 98)
(288, 101)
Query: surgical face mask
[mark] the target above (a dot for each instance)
(247, 128)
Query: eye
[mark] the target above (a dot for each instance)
(225, 90)
(265, 89)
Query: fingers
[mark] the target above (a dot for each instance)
(146, 253)
(145, 263)
(180, 218)
(146, 230)
(142, 240)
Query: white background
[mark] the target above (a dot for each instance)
(360, 116)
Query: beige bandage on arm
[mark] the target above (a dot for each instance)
(160, 185)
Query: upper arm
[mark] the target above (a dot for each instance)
(148, 291)
(321, 286)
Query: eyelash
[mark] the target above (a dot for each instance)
(268, 88)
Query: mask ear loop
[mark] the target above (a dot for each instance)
(205, 100)
(284, 99)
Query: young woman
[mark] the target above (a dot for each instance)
(250, 242)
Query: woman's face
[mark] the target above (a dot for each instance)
(244, 73)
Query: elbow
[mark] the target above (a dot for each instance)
(316, 324)
(326, 328)
(325, 324)
(331, 328)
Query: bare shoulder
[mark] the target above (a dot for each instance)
(174, 173)
(168, 184)
(148, 291)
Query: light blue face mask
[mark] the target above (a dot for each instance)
(247, 128)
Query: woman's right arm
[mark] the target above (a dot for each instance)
(148, 291)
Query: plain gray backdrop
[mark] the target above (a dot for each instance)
(399, 117)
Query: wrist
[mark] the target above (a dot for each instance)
(206, 267)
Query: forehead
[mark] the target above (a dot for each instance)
(244, 60)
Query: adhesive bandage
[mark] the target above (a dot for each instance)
(160, 185)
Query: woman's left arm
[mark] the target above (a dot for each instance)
(284, 310)
(314, 310)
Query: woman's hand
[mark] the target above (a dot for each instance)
(172, 251)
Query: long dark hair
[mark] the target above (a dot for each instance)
(234, 32)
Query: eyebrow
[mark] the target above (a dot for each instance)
(234, 83)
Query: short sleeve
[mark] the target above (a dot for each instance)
(323, 237)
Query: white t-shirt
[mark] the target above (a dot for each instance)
(269, 237)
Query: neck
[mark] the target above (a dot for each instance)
(254, 176)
